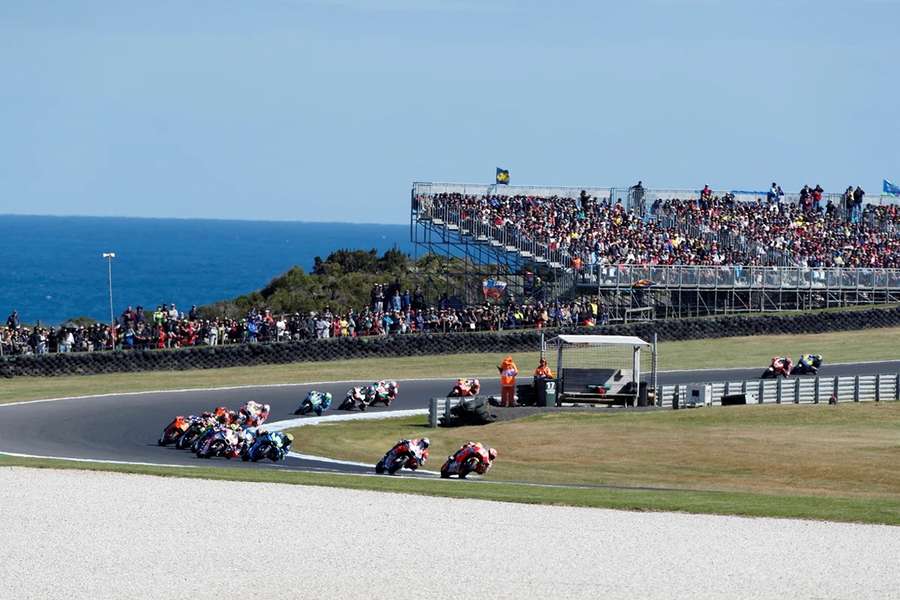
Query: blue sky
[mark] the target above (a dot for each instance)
(327, 110)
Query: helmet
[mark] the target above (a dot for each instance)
(289, 437)
(492, 453)
(424, 442)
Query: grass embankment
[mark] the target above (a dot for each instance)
(787, 460)
(876, 510)
(870, 344)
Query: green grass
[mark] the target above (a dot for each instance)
(871, 510)
(841, 453)
(870, 344)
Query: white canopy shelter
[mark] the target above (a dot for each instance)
(601, 368)
(597, 340)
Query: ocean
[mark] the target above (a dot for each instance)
(52, 269)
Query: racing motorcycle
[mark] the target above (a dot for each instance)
(224, 441)
(403, 455)
(195, 431)
(254, 414)
(273, 446)
(451, 467)
(781, 366)
(474, 463)
(808, 365)
(175, 429)
(317, 402)
(465, 388)
(356, 398)
(385, 392)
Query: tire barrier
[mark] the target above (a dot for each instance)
(205, 357)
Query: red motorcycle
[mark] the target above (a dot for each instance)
(471, 458)
(781, 366)
(254, 414)
(465, 388)
(175, 429)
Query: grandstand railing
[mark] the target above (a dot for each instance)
(504, 236)
(627, 195)
(740, 277)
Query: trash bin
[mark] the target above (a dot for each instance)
(546, 392)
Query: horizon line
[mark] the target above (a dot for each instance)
(218, 219)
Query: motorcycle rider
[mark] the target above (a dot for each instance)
(254, 414)
(320, 402)
(385, 391)
(810, 362)
(418, 447)
(484, 454)
(782, 365)
(355, 398)
(466, 387)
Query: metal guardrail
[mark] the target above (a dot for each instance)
(801, 390)
(439, 408)
(740, 277)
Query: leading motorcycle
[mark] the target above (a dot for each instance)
(781, 366)
(175, 429)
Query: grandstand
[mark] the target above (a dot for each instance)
(664, 253)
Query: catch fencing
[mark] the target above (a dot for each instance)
(800, 390)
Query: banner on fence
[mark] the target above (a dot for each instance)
(493, 288)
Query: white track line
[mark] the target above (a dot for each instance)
(96, 460)
(211, 389)
(337, 418)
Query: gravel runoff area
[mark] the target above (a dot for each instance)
(79, 534)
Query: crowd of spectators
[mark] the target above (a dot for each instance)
(167, 327)
(710, 230)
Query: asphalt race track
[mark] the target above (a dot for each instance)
(125, 427)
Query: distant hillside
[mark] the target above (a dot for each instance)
(344, 280)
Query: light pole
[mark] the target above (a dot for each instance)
(112, 319)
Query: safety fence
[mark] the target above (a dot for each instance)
(799, 390)
(439, 408)
(742, 277)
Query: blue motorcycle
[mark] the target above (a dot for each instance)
(317, 402)
(273, 446)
